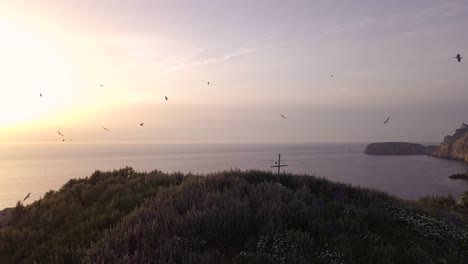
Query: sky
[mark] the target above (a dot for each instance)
(111, 63)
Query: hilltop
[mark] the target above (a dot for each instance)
(230, 217)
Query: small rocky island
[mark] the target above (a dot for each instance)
(459, 176)
(395, 148)
(453, 147)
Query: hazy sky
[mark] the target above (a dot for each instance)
(262, 58)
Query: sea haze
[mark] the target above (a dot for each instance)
(40, 167)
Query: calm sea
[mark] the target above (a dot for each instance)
(39, 167)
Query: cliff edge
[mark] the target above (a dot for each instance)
(6, 217)
(453, 147)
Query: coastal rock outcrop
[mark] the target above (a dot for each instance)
(453, 147)
(395, 148)
(459, 176)
(6, 217)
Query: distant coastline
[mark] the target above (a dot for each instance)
(453, 147)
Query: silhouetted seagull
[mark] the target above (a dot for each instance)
(166, 97)
(283, 116)
(63, 140)
(208, 83)
(105, 128)
(386, 121)
(40, 94)
(102, 85)
(27, 196)
(458, 57)
(60, 133)
(141, 124)
(331, 76)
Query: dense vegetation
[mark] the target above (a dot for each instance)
(231, 217)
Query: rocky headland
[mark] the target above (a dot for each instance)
(6, 217)
(453, 147)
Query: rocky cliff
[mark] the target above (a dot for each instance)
(395, 148)
(453, 147)
(6, 217)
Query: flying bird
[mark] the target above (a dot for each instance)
(331, 76)
(166, 97)
(102, 85)
(283, 116)
(386, 121)
(458, 57)
(208, 83)
(63, 140)
(105, 128)
(60, 133)
(27, 196)
(40, 95)
(141, 124)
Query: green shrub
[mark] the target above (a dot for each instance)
(231, 217)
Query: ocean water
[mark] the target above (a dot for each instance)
(39, 167)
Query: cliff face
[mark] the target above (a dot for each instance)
(395, 148)
(6, 217)
(453, 147)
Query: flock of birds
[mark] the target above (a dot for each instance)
(458, 57)
(105, 128)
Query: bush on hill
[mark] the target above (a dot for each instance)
(231, 217)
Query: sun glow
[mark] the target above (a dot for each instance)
(28, 68)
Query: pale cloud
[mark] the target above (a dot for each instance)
(411, 25)
(345, 28)
(407, 18)
(443, 10)
(208, 61)
(446, 9)
(226, 57)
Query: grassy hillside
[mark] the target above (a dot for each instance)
(231, 217)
